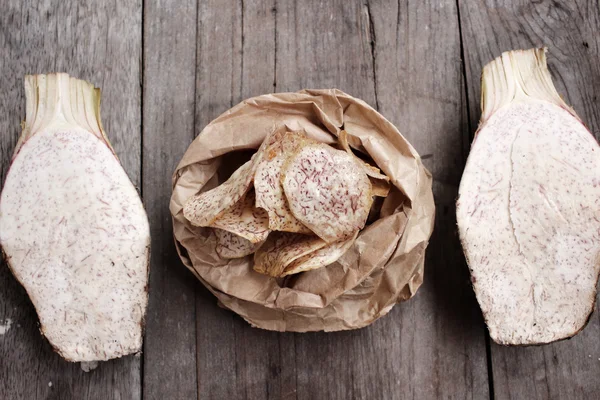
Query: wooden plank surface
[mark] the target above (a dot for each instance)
(101, 43)
(236, 60)
(420, 87)
(568, 369)
(392, 58)
(193, 59)
(218, 77)
(168, 128)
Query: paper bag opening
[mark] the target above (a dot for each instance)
(383, 266)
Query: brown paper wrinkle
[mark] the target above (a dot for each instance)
(349, 293)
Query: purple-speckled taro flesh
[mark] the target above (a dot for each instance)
(529, 206)
(282, 248)
(230, 245)
(72, 226)
(370, 170)
(204, 208)
(267, 184)
(327, 191)
(245, 220)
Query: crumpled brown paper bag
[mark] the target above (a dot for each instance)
(384, 265)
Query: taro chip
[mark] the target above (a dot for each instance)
(282, 248)
(369, 169)
(319, 258)
(327, 191)
(204, 208)
(285, 142)
(230, 245)
(380, 187)
(245, 220)
(267, 184)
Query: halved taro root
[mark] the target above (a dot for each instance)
(245, 220)
(230, 245)
(327, 191)
(281, 248)
(72, 226)
(528, 209)
(267, 184)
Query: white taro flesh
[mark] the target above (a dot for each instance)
(72, 225)
(529, 206)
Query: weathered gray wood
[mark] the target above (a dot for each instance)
(568, 369)
(323, 45)
(406, 61)
(101, 43)
(236, 60)
(218, 77)
(168, 128)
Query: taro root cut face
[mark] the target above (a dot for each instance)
(528, 209)
(73, 227)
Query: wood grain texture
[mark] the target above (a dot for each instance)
(100, 43)
(236, 60)
(568, 369)
(168, 128)
(405, 60)
(432, 346)
(218, 77)
(201, 58)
